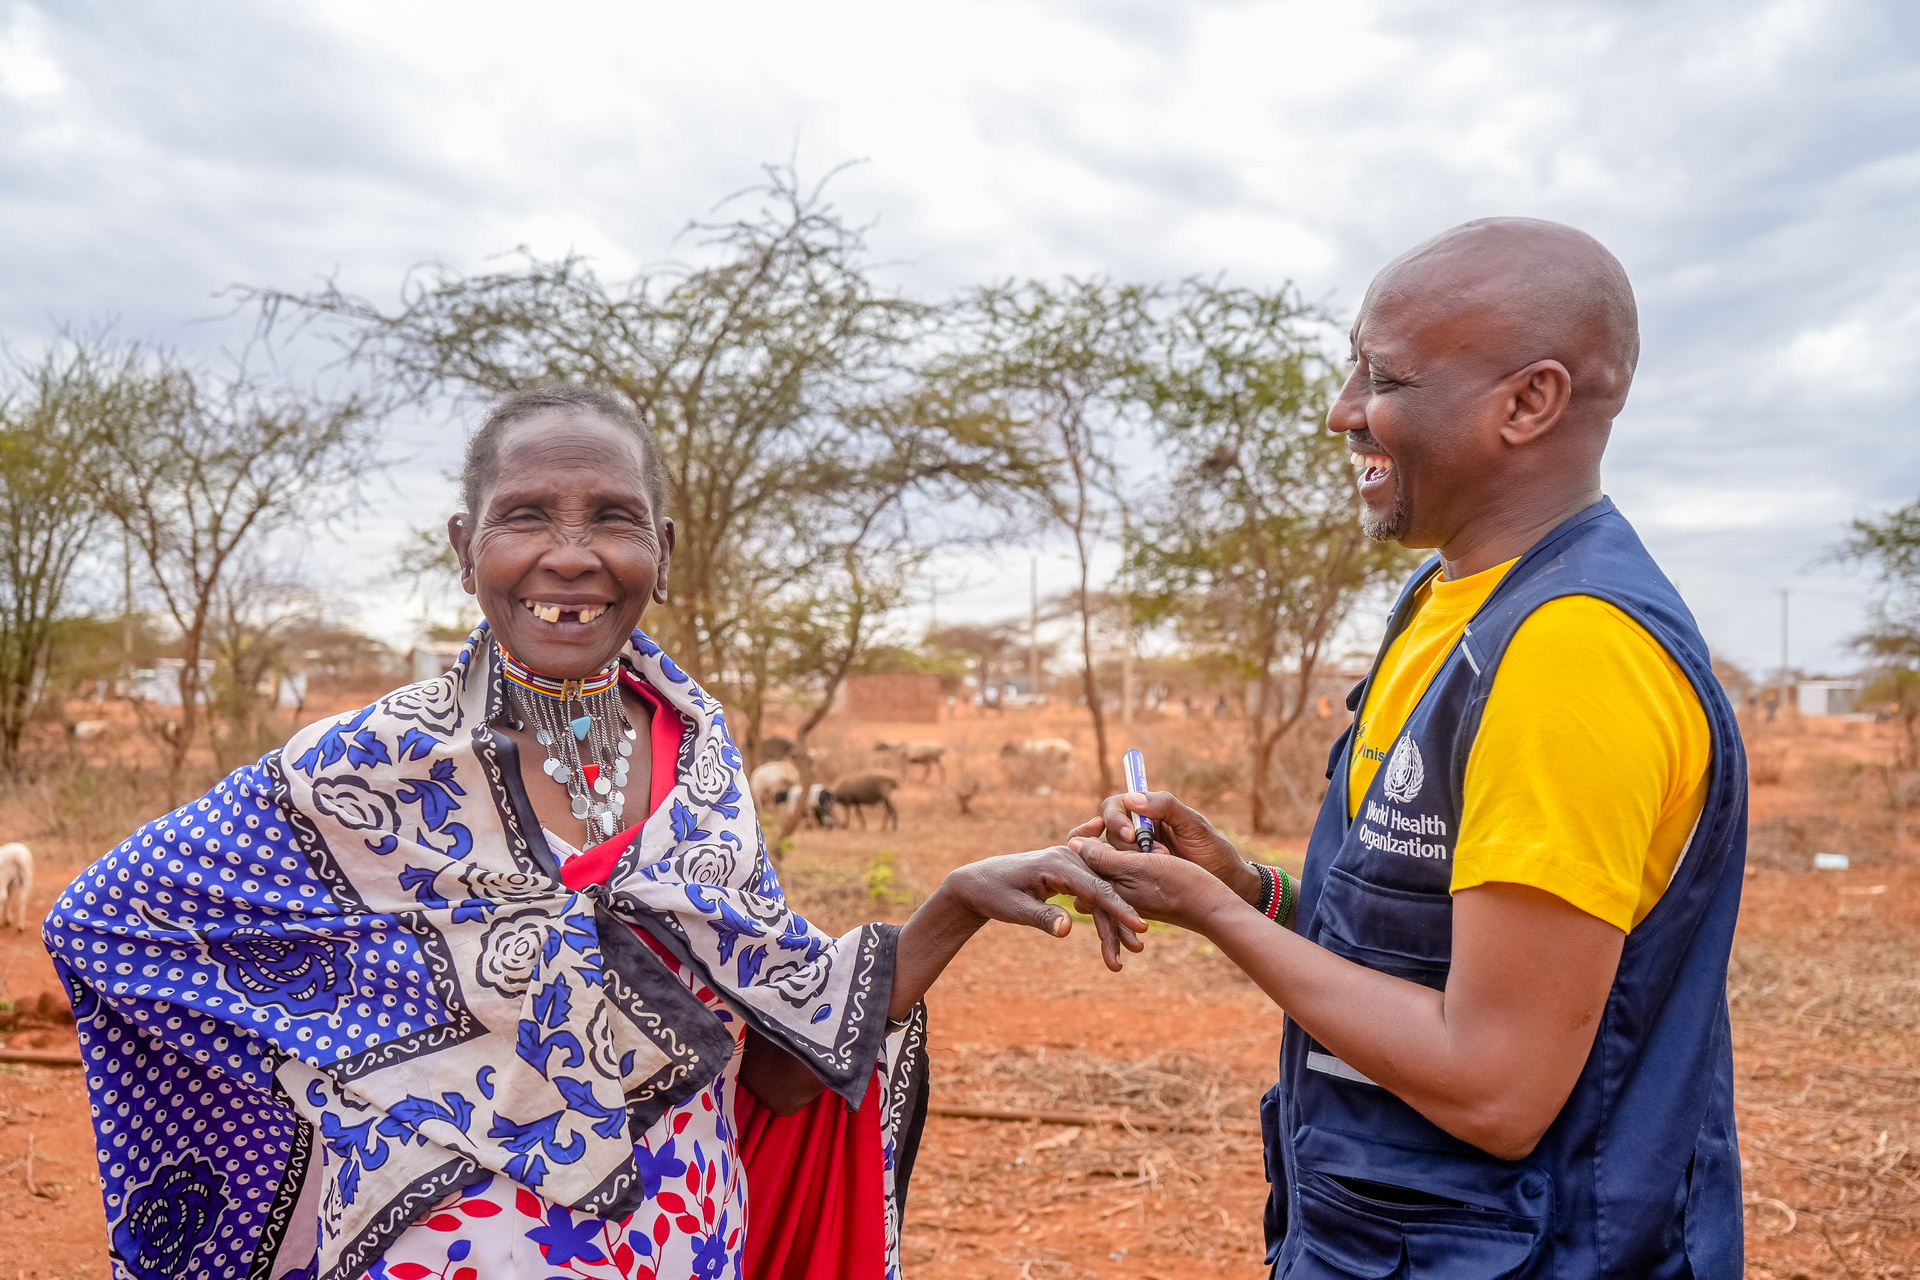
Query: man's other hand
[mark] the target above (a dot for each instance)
(1179, 830)
(1159, 888)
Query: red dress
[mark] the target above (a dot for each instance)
(816, 1196)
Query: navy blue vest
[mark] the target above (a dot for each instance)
(1639, 1176)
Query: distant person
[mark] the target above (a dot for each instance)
(1504, 971)
(493, 978)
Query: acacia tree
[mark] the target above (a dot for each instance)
(995, 648)
(780, 381)
(51, 414)
(920, 453)
(1890, 547)
(1063, 359)
(256, 610)
(1253, 545)
(200, 471)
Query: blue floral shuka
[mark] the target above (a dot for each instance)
(348, 982)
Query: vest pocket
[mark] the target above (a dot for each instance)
(1402, 932)
(1374, 1210)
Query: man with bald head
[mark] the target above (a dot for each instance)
(1504, 967)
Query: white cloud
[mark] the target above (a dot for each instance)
(1755, 167)
(27, 71)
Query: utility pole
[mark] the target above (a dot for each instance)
(1126, 626)
(1033, 628)
(1784, 593)
(126, 613)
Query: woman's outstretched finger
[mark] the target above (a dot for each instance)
(1128, 938)
(1108, 928)
(1091, 827)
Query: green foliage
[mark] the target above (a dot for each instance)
(881, 876)
(201, 472)
(1890, 546)
(52, 413)
(989, 652)
(800, 433)
(1065, 361)
(1252, 549)
(951, 665)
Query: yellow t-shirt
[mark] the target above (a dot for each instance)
(1590, 767)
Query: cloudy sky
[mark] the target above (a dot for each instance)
(1755, 165)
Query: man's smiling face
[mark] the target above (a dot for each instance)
(1406, 410)
(1488, 364)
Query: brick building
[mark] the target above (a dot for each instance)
(905, 697)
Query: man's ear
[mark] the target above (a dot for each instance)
(666, 561)
(460, 536)
(1538, 396)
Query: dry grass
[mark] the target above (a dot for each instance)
(1029, 1180)
(1168, 1086)
(1827, 1017)
(70, 809)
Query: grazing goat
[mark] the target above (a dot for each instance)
(776, 749)
(820, 807)
(775, 785)
(770, 782)
(16, 883)
(1057, 752)
(858, 790)
(928, 753)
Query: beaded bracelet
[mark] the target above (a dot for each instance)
(1276, 891)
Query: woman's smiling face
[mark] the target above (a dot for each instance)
(565, 551)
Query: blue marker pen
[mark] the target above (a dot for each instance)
(1135, 766)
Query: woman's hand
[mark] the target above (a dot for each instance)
(1013, 887)
(1179, 830)
(1158, 887)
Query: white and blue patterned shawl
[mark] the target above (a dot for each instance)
(348, 981)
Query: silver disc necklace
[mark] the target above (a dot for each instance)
(583, 728)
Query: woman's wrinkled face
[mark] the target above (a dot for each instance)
(565, 551)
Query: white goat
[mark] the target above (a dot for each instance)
(16, 883)
(770, 781)
(928, 753)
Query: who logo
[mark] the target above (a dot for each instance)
(1405, 772)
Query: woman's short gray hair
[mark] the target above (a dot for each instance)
(481, 464)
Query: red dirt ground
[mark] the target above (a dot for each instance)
(1823, 995)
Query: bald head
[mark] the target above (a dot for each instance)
(1518, 290)
(1489, 364)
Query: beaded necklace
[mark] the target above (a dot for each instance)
(586, 735)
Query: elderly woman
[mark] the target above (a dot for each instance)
(493, 978)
